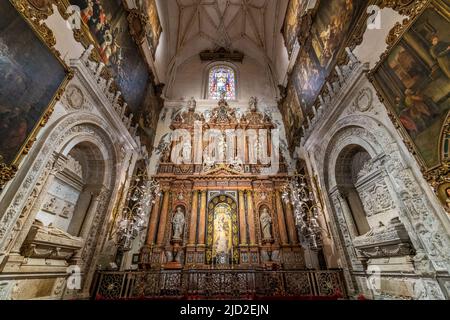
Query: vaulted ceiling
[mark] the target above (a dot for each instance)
(250, 26)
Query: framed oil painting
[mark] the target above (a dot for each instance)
(154, 24)
(292, 117)
(291, 26)
(30, 78)
(105, 22)
(414, 80)
(334, 24)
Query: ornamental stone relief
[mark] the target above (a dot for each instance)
(430, 231)
(74, 98)
(376, 198)
(364, 101)
(63, 132)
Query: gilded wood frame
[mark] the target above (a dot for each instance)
(437, 175)
(33, 12)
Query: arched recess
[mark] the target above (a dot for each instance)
(77, 144)
(349, 164)
(222, 233)
(412, 202)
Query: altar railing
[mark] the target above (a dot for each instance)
(218, 284)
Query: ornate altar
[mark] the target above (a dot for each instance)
(220, 207)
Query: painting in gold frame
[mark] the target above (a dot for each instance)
(413, 79)
(155, 25)
(293, 116)
(105, 24)
(32, 78)
(291, 25)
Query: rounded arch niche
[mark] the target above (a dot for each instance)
(78, 153)
(351, 151)
(349, 164)
(222, 237)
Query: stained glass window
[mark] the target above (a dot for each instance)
(222, 81)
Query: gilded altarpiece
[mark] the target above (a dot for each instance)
(223, 200)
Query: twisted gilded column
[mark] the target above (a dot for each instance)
(242, 224)
(281, 221)
(201, 225)
(251, 217)
(163, 218)
(153, 221)
(193, 222)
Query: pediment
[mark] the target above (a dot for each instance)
(223, 170)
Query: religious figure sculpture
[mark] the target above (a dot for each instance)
(253, 102)
(266, 224)
(178, 223)
(192, 104)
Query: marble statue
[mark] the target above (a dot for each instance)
(266, 224)
(178, 223)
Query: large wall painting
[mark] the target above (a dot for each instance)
(31, 77)
(414, 80)
(107, 24)
(292, 117)
(291, 25)
(154, 24)
(331, 30)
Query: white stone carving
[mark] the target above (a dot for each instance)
(364, 100)
(74, 166)
(74, 98)
(354, 116)
(376, 199)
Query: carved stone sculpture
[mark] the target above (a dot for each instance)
(253, 102)
(192, 104)
(178, 223)
(266, 224)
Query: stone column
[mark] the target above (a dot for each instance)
(347, 215)
(153, 221)
(281, 221)
(251, 217)
(242, 224)
(88, 219)
(90, 214)
(193, 222)
(201, 225)
(290, 219)
(163, 219)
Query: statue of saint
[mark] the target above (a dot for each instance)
(192, 104)
(266, 224)
(178, 223)
(253, 102)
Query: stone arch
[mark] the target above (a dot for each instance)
(418, 213)
(344, 137)
(59, 138)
